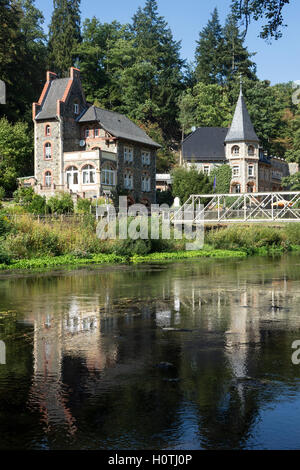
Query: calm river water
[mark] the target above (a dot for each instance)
(191, 355)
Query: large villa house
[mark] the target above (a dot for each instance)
(239, 147)
(86, 150)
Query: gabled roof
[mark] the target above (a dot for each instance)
(55, 92)
(117, 124)
(241, 128)
(206, 143)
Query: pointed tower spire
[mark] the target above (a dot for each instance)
(241, 127)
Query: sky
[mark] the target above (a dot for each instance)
(277, 62)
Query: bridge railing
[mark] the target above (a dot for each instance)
(234, 208)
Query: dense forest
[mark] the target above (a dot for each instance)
(137, 69)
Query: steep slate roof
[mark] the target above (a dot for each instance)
(206, 143)
(55, 92)
(117, 124)
(241, 128)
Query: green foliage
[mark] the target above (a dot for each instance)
(61, 204)
(5, 257)
(251, 239)
(33, 203)
(22, 57)
(83, 206)
(187, 182)
(291, 182)
(16, 153)
(5, 225)
(2, 193)
(268, 10)
(221, 54)
(64, 35)
(222, 175)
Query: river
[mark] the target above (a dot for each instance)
(188, 355)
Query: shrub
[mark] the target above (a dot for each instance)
(61, 204)
(2, 193)
(83, 206)
(5, 257)
(5, 225)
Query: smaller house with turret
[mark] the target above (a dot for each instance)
(88, 151)
(252, 169)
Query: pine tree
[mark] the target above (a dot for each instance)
(235, 59)
(22, 56)
(209, 52)
(157, 73)
(64, 35)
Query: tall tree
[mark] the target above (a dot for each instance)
(209, 52)
(64, 35)
(235, 58)
(157, 73)
(22, 56)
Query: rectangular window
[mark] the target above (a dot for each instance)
(96, 132)
(145, 183)
(206, 170)
(250, 170)
(128, 183)
(108, 177)
(76, 108)
(145, 158)
(87, 133)
(236, 170)
(128, 154)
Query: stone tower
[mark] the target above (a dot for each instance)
(242, 150)
(55, 126)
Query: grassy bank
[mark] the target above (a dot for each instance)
(26, 243)
(71, 260)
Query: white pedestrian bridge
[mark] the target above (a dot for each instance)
(239, 208)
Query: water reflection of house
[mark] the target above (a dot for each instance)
(77, 333)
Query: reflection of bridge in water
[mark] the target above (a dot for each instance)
(237, 208)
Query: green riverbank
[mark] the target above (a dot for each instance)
(71, 260)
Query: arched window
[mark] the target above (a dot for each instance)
(128, 180)
(251, 150)
(235, 150)
(146, 182)
(48, 179)
(47, 130)
(108, 174)
(72, 175)
(88, 174)
(48, 151)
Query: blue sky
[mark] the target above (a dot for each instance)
(278, 62)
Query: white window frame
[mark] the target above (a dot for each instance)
(128, 153)
(146, 183)
(76, 108)
(145, 157)
(251, 173)
(48, 130)
(128, 180)
(48, 179)
(70, 176)
(88, 174)
(235, 150)
(108, 177)
(48, 151)
(206, 169)
(236, 170)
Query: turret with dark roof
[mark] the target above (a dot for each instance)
(241, 129)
